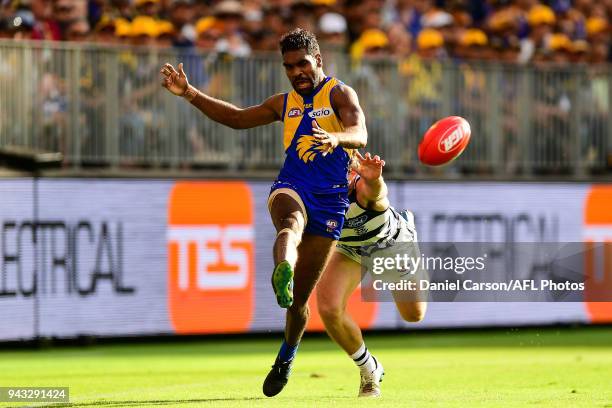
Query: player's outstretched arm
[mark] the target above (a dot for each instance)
(220, 111)
(371, 189)
(355, 135)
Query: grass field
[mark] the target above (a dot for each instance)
(504, 368)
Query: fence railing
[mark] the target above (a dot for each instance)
(103, 106)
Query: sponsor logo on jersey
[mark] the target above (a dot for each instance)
(357, 221)
(361, 230)
(319, 113)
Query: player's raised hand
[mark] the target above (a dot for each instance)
(174, 81)
(369, 168)
(325, 138)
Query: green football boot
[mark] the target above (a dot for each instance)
(282, 282)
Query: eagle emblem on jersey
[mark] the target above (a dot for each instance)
(308, 147)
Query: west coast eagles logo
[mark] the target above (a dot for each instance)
(308, 147)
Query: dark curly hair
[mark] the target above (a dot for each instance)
(299, 39)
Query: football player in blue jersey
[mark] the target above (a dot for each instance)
(323, 124)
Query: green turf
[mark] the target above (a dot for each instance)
(507, 368)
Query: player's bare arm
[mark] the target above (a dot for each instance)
(372, 191)
(346, 103)
(220, 111)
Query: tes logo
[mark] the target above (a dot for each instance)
(210, 256)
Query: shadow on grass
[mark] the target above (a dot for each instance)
(560, 336)
(146, 403)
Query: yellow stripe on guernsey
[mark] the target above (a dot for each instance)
(322, 111)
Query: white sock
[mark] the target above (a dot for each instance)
(364, 360)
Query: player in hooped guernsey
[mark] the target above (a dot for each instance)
(323, 123)
(370, 222)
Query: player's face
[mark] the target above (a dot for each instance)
(303, 70)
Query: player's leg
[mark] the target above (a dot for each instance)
(313, 253)
(340, 279)
(411, 311)
(289, 218)
(411, 305)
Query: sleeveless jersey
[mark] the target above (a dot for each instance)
(305, 163)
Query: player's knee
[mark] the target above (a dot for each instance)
(413, 314)
(292, 222)
(330, 313)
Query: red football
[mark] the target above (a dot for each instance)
(444, 141)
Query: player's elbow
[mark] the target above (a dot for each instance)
(362, 140)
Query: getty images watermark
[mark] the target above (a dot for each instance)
(485, 272)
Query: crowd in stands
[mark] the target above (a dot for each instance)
(542, 115)
(518, 31)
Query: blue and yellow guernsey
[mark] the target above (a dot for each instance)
(306, 163)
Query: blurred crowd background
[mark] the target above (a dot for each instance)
(545, 109)
(519, 31)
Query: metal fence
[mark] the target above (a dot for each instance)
(105, 107)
